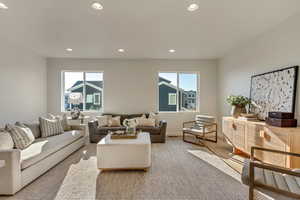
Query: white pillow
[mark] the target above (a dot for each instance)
(22, 136)
(63, 120)
(114, 121)
(6, 141)
(145, 122)
(154, 116)
(102, 120)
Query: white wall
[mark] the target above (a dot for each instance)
(274, 49)
(22, 84)
(130, 86)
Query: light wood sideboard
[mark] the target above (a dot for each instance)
(243, 134)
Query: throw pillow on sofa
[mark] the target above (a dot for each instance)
(145, 121)
(103, 120)
(34, 127)
(155, 117)
(114, 121)
(63, 120)
(6, 140)
(21, 135)
(50, 127)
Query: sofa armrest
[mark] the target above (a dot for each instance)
(10, 171)
(163, 129)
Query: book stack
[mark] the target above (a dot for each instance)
(281, 119)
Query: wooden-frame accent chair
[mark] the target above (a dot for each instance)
(199, 129)
(267, 181)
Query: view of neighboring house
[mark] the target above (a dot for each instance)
(168, 97)
(93, 95)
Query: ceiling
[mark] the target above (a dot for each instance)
(144, 28)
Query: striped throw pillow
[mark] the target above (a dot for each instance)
(22, 136)
(50, 127)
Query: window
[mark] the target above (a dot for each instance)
(87, 85)
(172, 98)
(178, 92)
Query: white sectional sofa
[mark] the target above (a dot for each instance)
(18, 167)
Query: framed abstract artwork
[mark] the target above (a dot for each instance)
(274, 91)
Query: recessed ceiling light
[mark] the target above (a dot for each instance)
(193, 7)
(69, 49)
(121, 50)
(97, 6)
(3, 6)
(172, 50)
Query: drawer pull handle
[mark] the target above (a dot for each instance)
(234, 126)
(262, 134)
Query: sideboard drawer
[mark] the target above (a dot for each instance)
(238, 130)
(228, 130)
(254, 138)
(277, 142)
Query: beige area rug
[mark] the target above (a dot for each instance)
(175, 174)
(224, 151)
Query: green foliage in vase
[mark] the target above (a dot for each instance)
(239, 100)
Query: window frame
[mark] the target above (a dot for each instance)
(84, 90)
(197, 96)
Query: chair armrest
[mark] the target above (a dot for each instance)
(10, 171)
(188, 123)
(282, 170)
(272, 151)
(253, 184)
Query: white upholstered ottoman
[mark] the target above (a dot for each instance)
(124, 154)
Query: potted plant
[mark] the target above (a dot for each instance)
(238, 104)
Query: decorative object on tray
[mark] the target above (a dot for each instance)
(75, 98)
(238, 104)
(281, 119)
(123, 135)
(274, 91)
(130, 125)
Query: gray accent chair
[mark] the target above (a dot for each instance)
(157, 133)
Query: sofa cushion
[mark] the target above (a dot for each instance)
(102, 120)
(149, 122)
(21, 135)
(34, 127)
(6, 141)
(50, 127)
(63, 120)
(154, 130)
(43, 147)
(126, 116)
(114, 121)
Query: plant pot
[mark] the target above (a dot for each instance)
(237, 110)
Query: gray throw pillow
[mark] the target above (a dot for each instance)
(34, 127)
(6, 141)
(22, 136)
(50, 127)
